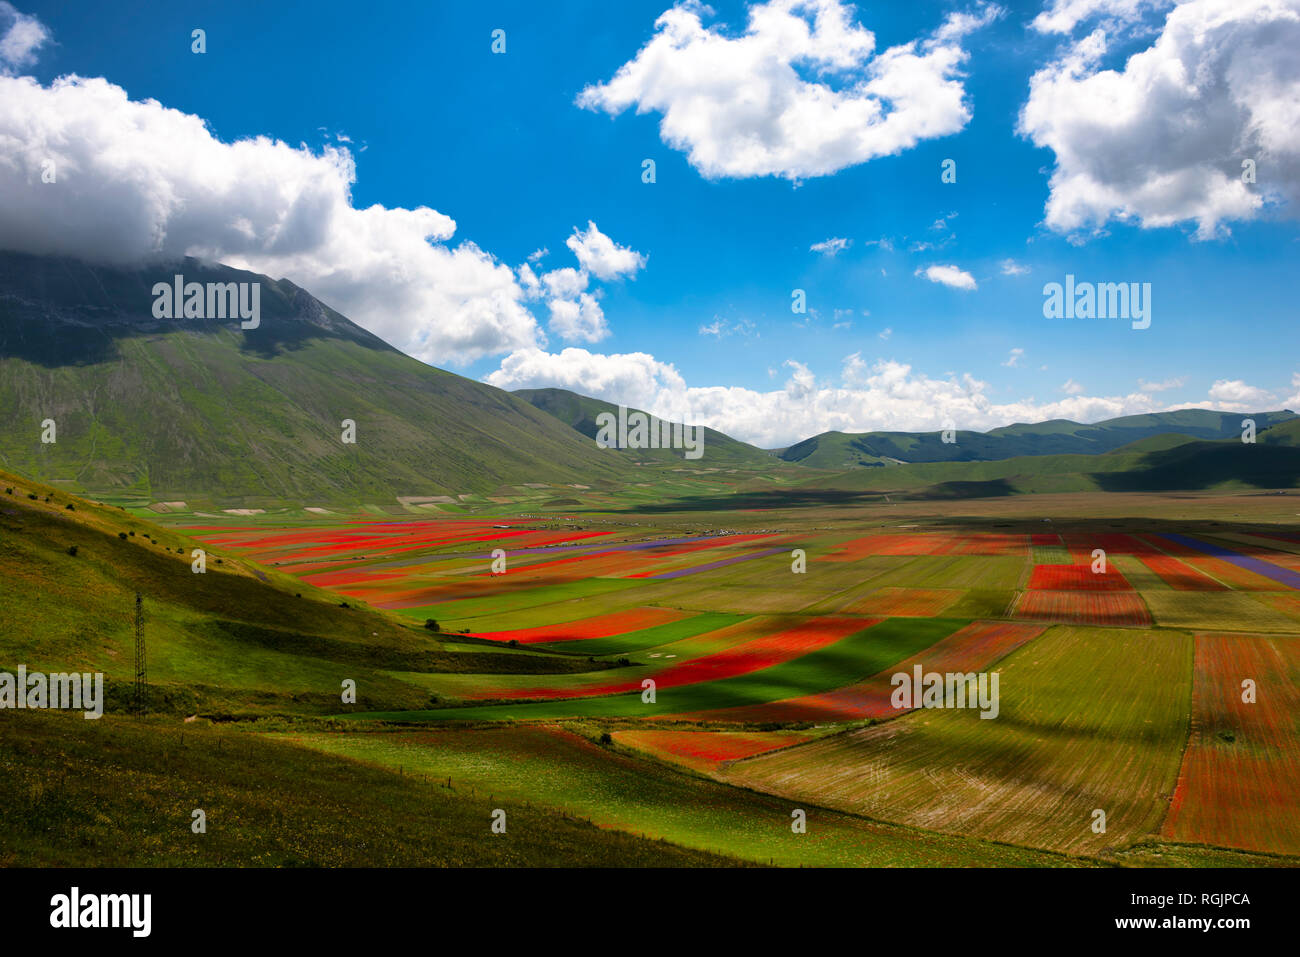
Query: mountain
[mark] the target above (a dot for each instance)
(579, 412)
(1148, 465)
(842, 450)
(183, 409)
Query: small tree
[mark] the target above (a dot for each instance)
(431, 625)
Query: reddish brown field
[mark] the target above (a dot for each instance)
(1241, 771)
(906, 602)
(707, 750)
(1178, 575)
(1084, 608)
(1078, 578)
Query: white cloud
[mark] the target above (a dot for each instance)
(1073, 388)
(581, 321)
(601, 256)
(801, 92)
(886, 395)
(1012, 268)
(1293, 402)
(829, 247)
(1062, 16)
(1236, 395)
(565, 283)
(21, 36)
(948, 276)
(1014, 357)
(138, 181)
(886, 333)
(1161, 141)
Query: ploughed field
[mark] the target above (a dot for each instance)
(1145, 707)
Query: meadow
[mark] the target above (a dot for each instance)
(684, 681)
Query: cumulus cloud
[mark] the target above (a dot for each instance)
(948, 276)
(1012, 268)
(601, 256)
(580, 321)
(801, 92)
(1162, 141)
(1073, 388)
(884, 394)
(1234, 394)
(565, 283)
(137, 181)
(1014, 357)
(829, 247)
(21, 36)
(1062, 16)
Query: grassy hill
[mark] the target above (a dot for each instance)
(841, 450)
(579, 412)
(195, 409)
(237, 640)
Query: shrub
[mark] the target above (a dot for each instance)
(431, 624)
(122, 535)
(72, 550)
(605, 738)
(70, 507)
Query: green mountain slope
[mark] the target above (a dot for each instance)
(580, 411)
(179, 409)
(841, 450)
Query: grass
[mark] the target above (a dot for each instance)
(561, 770)
(120, 792)
(1081, 728)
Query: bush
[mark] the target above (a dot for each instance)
(122, 535)
(431, 624)
(72, 550)
(623, 662)
(9, 491)
(605, 738)
(70, 507)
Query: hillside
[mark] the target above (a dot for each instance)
(202, 409)
(579, 412)
(841, 450)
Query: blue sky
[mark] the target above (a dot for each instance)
(702, 324)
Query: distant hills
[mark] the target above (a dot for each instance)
(847, 450)
(204, 410)
(183, 408)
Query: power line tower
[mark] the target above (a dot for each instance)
(141, 673)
